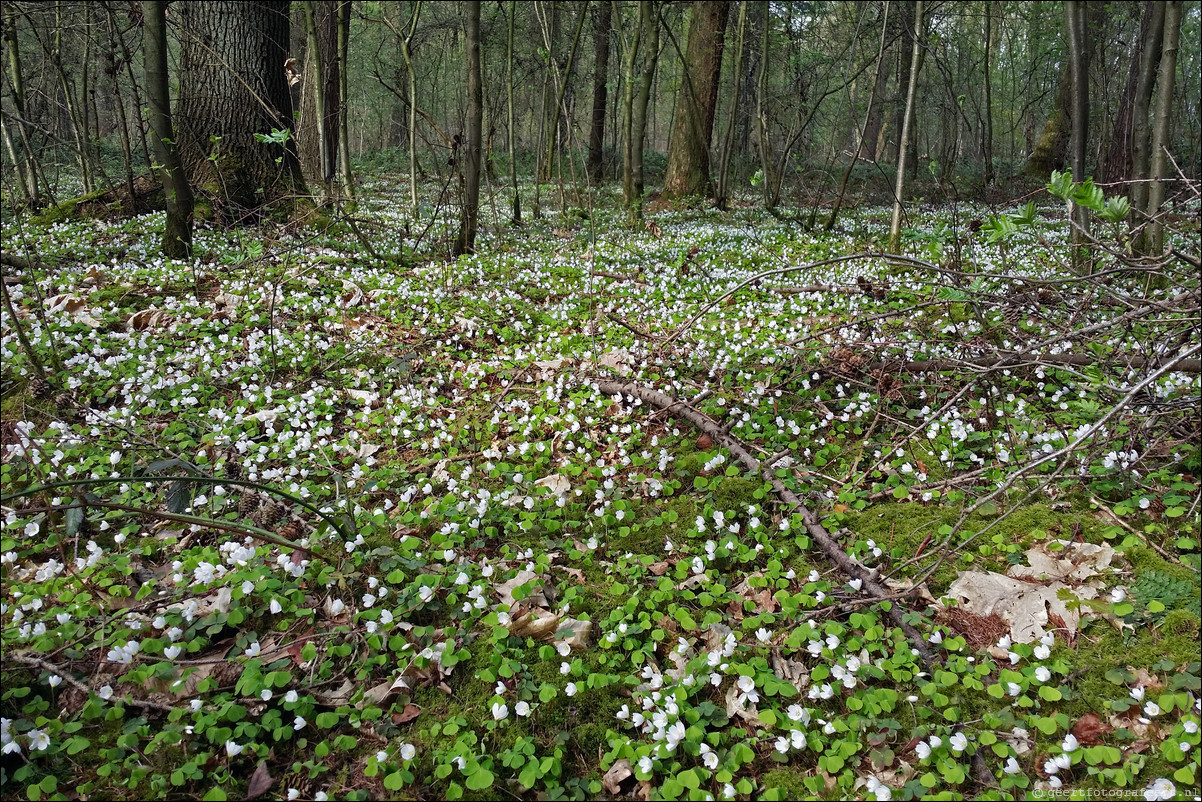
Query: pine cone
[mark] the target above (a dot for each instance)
(289, 531)
(273, 514)
(247, 504)
(233, 468)
(40, 388)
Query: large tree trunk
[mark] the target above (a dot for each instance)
(475, 121)
(596, 135)
(1141, 104)
(177, 238)
(345, 178)
(1078, 58)
(903, 143)
(689, 156)
(317, 133)
(232, 88)
(1051, 149)
(729, 139)
(1153, 239)
(513, 163)
(649, 21)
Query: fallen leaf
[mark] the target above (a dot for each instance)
(260, 782)
(366, 397)
(148, 319)
(791, 671)
(1077, 561)
(410, 712)
(380, 693)
(1024, 605)
(659, 568)
(1090, 728)
(737, 705)
(618, 773)
(556, 483)
(67, 302)
(705, 442)
(574, 632)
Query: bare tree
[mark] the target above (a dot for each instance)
(903, 143)
(469, 214)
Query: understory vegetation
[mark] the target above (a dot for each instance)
(290, 520)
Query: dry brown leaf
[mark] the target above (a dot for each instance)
(410, 712)
(1090, 729)
(69, 302)
(618, 773)
(260, 782)
(574, 632)
(1075, 562)
(791, 671)
(1024, 605)
(148, 319)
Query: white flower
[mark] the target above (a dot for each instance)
(298, 723)
(1190, 726)
(38, 740)
(55, 680)
(1042, 652)
(570, 689)
(1160, 789)
(1011, 766)
(959, 742)
(233, 749)
(253, 650)
(1070, 743)
(291, 697)
(709, 757)
(105, 692)
(1117, 595)
(763, 635)
(936, 637)
(275, 607)
(265, 695)
(408, 751)
(425, 592)
(782, 745)
(172, 651)
(1151, 709)
(1137, 694)
(645, 764)
(293, 794)
(1042, 674)
(522, 708)
(500, 711)
(335, 606)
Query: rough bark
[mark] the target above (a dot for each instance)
(723, 189)
(1141, 131)
(987, 112)
(232, 87)
(596, 135)
(1153, 240)
(317, 134)
(903, 143)
(688, 170)
(466, 242)
(1051, 149)
(345, 177)
(177, 237)
(1078, 57)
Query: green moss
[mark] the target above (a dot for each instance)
(1183, 624)
(735, 493)
(787, 783)
(1145, 559)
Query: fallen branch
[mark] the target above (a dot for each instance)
(1012, 360)
(46, 665)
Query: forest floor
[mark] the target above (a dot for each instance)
(296, 522)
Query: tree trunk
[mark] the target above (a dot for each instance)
(688, 170)
(1078, 57)
(27, 167)
(596, 134)
(729, 139)
(513, 162)
(1141, 131)
(903, 143)
(475, 120)
(1051, 149)
(233, 89)
(110, 69)
(177, 237)
(987, 112)
(649, 22)
(318, 133)
(1153, 240)
(345, 177)
(767, 159)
